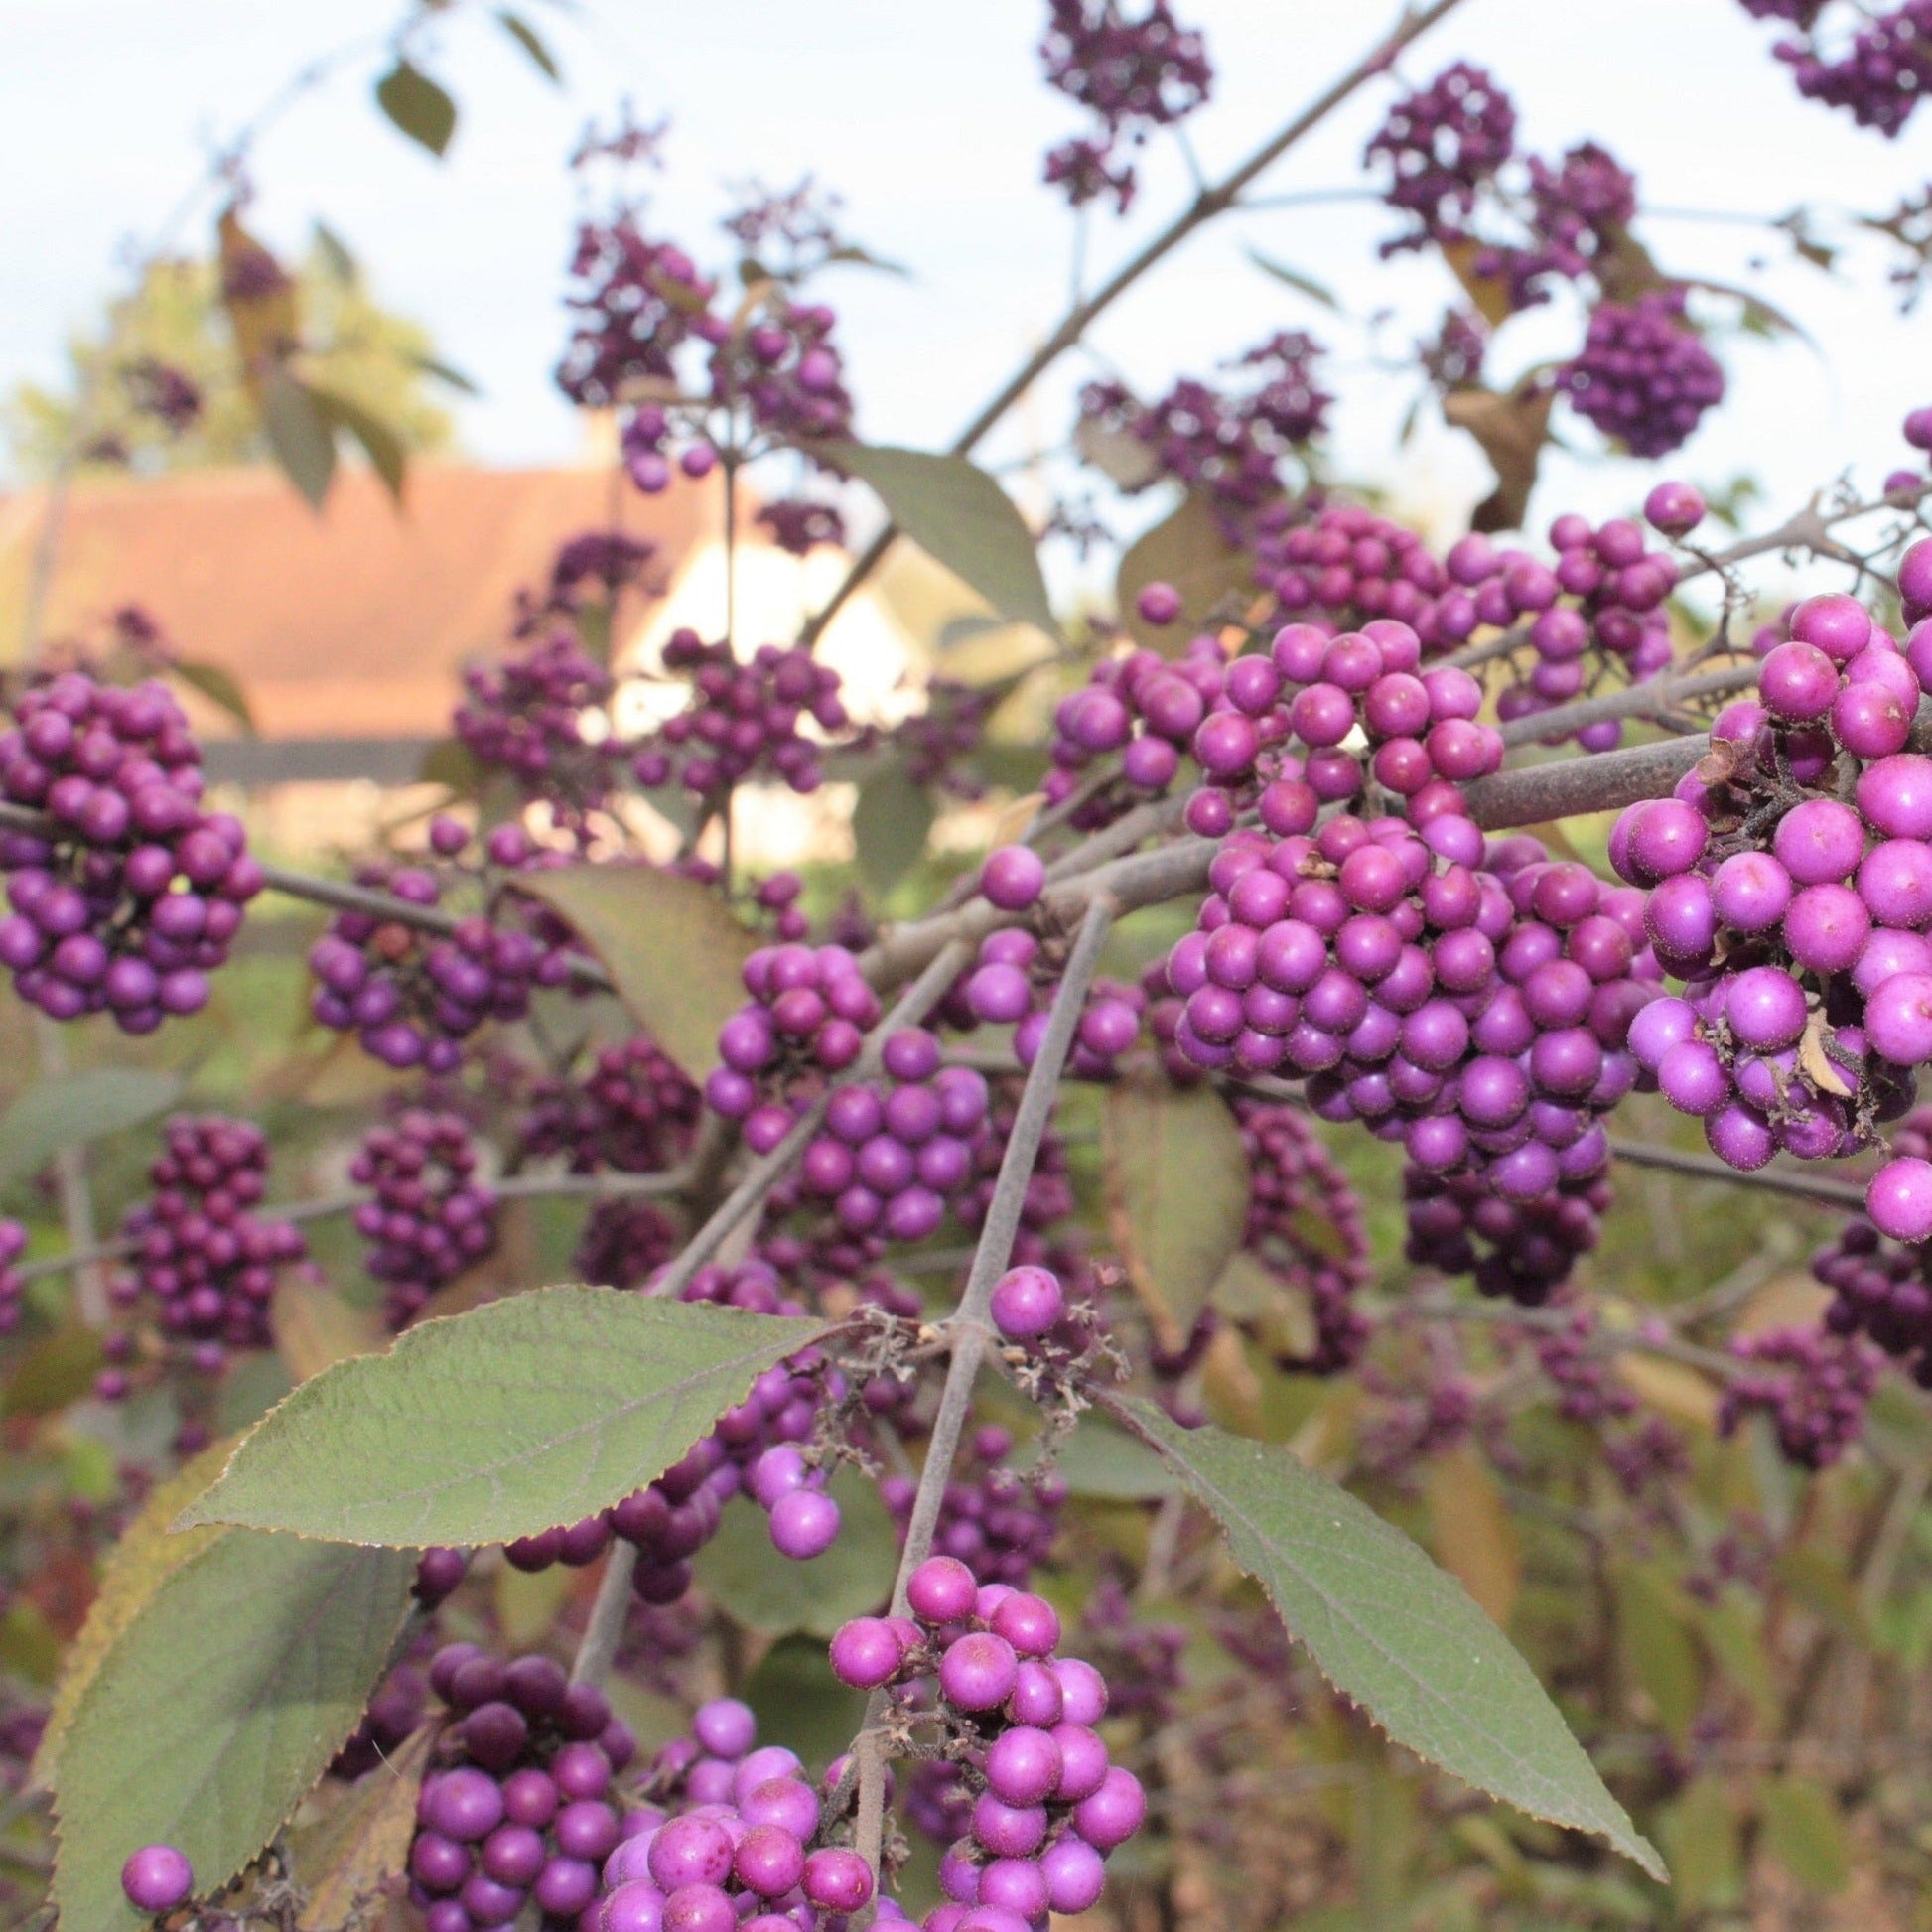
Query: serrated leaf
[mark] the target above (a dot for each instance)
(1190, 550)
(1294, 278)
(525, 35)
(216, 1706)
(591, 1393)
(960, 517)
(417, 105)
(1800, 1821)
(219, 686)
(380, 440)
(1176, 1179)
(746, 1576)
(1391, 1631)
(890, 824)
(670, 944)
(146, 1556)
(1470, 1526)
(351, 1861)
(73, 1109)
(300, 436)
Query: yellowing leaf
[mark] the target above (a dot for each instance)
(1470, 1525)
(352, 1862)
(1190, 550)
(1670, 1388)
(316, 1328)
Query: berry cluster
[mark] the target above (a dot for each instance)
(799, 524)
(197, 1246)
(635, 1112)
(999, 1523)
(1577, 210)
(807, 1019)
(624, 1242)
(1789, 883)
(1306, 1226)
(413, 997)
(741, 720)
(431, 1217)
(637, 302)
(728, 1844)
(978, 1662)
(940, 741)
(1570, 1357)
(1442, 143)
(1010, 985)
(399, 1705)
(1131, 75)
(1881, 1290)
(1231, 443)
(1815, 1386)
(518, 1807)
(525, 717)
(894, 1152)
(133, 894)
(1642, 376)
(1344, 564)
(785, 368)
(1879, 77)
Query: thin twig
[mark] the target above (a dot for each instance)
(1204, 208)
(599, 1648)
(969, 1328)
(1774, 1181)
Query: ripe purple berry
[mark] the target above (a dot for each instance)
(157, 1878)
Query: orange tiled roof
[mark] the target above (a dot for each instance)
(353, 622)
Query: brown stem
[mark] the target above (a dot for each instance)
(1773, 1180)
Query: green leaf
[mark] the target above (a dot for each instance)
(1657, 1646)
(300, 436)
(219, 686)
(1190, 550)
(380, 440)
(217, 1707)
(525, 35)
(959, 517)
(450, 761)
(1176, 1177)
(1105, 1462)
(670, 944)
(1391, 1631)
(58, 1369)
(741, 1572)
(795, 1696)
(536, 1409)
(1299, 283)
(1801, 1824)
(1701, 1833)
(77, 1108)
(417, 105)
(890, 824)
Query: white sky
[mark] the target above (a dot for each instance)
(930, 119)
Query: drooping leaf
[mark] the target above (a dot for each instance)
(72, 1109)
(1489, 292)
(336, 256)
(1190, 550)
(351, 1861)
(890, 824)
(145, 1557)
(1391, 1631)
(850, 253)
(1470, 1525)
(526, 1413)
(219, 686)
(960, 517)
(1177, 1176)
(1512, 430)
(379, 442)
(525, 35)
(300, 435)
(1301, 284)
(670, 944)
(217, 1705)
(260, 300)
(443, 372)
(741, 1572)
(1801, 1824)
(417, 105)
